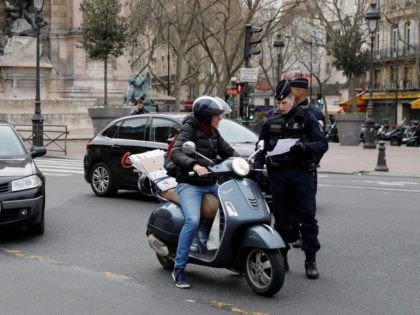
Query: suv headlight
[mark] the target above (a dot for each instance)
(26, 183)
(240, 166)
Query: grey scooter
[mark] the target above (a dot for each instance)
(248, 244)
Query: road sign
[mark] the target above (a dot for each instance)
(249, 75)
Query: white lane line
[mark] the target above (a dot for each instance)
(371, 188)
(56, 174)
(60, 170)
(59, 162)
(60, 167)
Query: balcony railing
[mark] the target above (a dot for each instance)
(391, 53)
(402, 86)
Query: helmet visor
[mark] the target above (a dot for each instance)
(225, 106)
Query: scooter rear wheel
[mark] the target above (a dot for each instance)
(264, 271)
(166, 262)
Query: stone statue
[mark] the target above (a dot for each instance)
(20, 17)
(138, 88)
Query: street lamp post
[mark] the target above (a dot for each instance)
(309, 42)
(396, 71)
(372, 17)
(310, 78)
(169, 62)
(279, 44)
(37, 119)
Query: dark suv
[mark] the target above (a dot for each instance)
(106, 164)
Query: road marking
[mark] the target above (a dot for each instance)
(371, 188)
(60, 170)
(385, 183)
(59, 167)
(20, 255)
(232, 308)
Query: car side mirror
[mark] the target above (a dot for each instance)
(38, 151)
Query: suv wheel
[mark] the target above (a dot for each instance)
(102, 181)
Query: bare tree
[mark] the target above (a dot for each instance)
(157, 17)
(343, 30)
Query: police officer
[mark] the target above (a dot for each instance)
(300, 92)
(293, 173)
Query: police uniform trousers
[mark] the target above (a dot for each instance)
(293, 192)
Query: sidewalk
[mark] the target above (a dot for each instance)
(401, 161)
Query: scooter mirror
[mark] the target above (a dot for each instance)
(260, 145)
(188, 147)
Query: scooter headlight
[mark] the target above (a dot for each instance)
(240, 166)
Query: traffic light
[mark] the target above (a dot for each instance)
(240, 87)
(251, 112)
(250, 41)
(319, 101)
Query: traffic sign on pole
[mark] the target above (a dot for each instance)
(249, 75)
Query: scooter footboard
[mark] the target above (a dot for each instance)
(262, 236)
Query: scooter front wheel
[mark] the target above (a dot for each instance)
(264, 271)
(166, 263)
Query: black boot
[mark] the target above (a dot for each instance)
(284, 254)
(310, 266)
(311, 271)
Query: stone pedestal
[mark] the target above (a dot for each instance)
(349, 127)
(101, 116)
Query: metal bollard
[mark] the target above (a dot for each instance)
(381, 165)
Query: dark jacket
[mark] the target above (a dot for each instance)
(313, 110)
(139, 112)
(210, 146)
(315, 140)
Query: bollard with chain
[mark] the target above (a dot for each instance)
(381, 165)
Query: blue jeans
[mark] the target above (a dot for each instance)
(190, 197)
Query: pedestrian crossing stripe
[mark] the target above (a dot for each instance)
(59, 167)
(60, 170)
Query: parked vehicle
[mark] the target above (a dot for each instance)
(106, 164)
(246, 241)
(395, 136)
(412, 136)
(22, 185)
(332, 133)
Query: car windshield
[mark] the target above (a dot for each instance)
(233, 132)
(10, 144)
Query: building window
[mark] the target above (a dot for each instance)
(407, 36)
(266, 102)
(394, 41)
(191, 91)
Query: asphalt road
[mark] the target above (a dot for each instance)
(94, 258)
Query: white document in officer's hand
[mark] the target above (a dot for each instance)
(283, 146)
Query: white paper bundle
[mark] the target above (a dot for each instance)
(151, 164)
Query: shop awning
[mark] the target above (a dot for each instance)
(415, 104)
(360, 103)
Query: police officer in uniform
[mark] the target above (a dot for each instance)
(300, 91)
(293, 173)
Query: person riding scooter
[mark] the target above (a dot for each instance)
(200, 128)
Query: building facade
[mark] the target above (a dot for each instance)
(396, 63)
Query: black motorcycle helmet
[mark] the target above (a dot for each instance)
(205, 107)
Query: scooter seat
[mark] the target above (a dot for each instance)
(209, 204)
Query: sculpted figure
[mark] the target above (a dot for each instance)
(138, 88)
